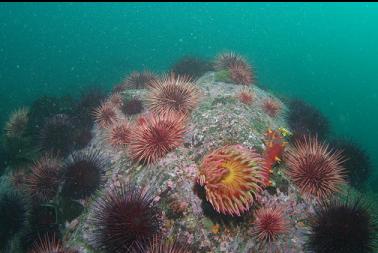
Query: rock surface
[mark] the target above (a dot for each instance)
(219, 119)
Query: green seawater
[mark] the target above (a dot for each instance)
(324, 53)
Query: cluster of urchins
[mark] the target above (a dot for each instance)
(126, 219)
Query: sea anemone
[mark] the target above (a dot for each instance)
(173, 94)
(232, 177)
(246, 96)
(357, 164)
(133, 106)
(13, 216)
(191, 66)
(124, 218)
(315, 168)
(240, 74)
(226, 60)
(49, 244)
(158, 245)
(304, 120)
(56, 136)
(119, 134)
(156, 137)
(105, 115)
(43, 182)
(271, 107)
(16, 125)
(139, 80)
(83, 174)
(343, 226)
(269, 224)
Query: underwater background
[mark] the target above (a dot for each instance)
(324, 53)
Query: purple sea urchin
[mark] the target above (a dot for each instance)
(124, 219)
(13, 216)
(56, 135)
(83, 174)
(343, 226)
(132, 107)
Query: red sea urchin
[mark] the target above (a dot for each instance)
(241, 74)
(246, 96)
(124, 218)
(49, 244)
(105, 114)
(314, 168)
(158, 245)
(43, 182)
(173, 94)
(119, 134)
(116, 100)
(232, 177)
(139, 80)
(271, 107)
(269, 224)
(156, 136)
(17, 123)
(226, 60)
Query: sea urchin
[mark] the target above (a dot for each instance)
(156, 136)
(343, 226)
(139, 80)
(43, 182)
(105, 114)
(124, 219)
(173, 94)
(314, 168)
(271, 107)
(17, 123)
(269, 224)
(119, 134)
(83, 174)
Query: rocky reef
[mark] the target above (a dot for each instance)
(172, 164)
